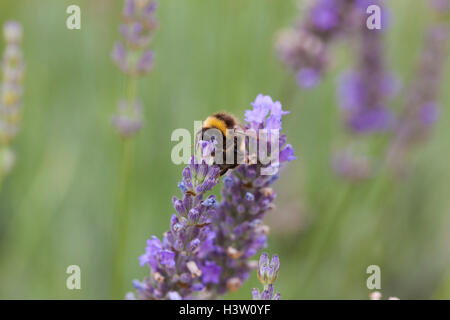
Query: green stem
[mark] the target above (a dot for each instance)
(1, 181)
(132, 89)
(122, 218)
(122, 211)
(322, 238)
(288, 90)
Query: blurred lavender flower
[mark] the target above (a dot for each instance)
(365, 92)
(267, 274)
(352, 165)
(304, 48)
(208, 248)
(11, 92)
(133, 57)
(421, 108)
(138, 23)
(128, 120)
(441, 6)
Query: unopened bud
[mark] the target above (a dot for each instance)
(268, 271)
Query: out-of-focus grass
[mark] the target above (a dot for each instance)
(56, 207)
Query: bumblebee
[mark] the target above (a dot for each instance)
(220, 126)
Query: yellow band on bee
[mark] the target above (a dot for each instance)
(213, 122)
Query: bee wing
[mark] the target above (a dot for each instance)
(252, 135)
(246, 133)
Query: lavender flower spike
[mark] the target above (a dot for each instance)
(267, 274)
(179, 264)
(208, 248)
(246, 197)
(11, 92)
(128, 120)
(133, 57)
(304, 48)
(421, 109)
(366, 91)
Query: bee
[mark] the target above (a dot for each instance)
(222, 125)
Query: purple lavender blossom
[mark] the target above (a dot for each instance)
(301, 50)
(421, 108)
(304, 48)
(352, 165)
(428, 114)
(11, 89)
(267, 274)
(212, 243)
(211, 272)
(179, 263)
(131, 55)
(308, 78)
(246, 198)
(365, 92)
(11, 92)
(325, 15)
(128, 119)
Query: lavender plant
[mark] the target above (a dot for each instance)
(305, 47)
(421, 109)
(208, 249)
(365, 95)
(365, 92)
(267, 274)
(11, 92)
(352, 163)
(134, 58)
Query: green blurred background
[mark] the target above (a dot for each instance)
(57, 206)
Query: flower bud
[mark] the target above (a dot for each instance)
(178, 205)
(193, 214)
(268, 272)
